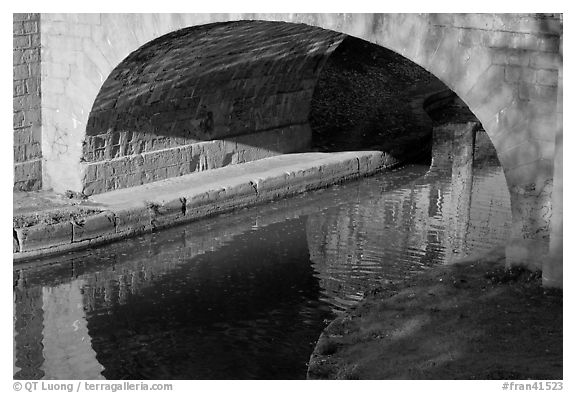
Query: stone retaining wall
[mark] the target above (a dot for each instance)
(141, 168)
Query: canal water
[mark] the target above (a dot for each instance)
(246, 294)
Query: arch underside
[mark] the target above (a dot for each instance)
(204, 97)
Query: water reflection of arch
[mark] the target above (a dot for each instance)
(51, 338)
(106, 280)
(442, 216)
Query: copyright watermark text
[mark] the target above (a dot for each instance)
(535, 385)
(89, 386)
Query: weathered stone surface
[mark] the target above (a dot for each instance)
(133, 170)
(44, 236)
(93, 226)
(26, 175)
(134, 219)
(166, 213)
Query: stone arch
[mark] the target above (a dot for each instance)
(504, 67)
(204, 97)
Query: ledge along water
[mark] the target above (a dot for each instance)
(246, 294)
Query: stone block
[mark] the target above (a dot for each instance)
(56, 27)
(90, 173)
(35, 41)
(108, 169)
(22, 136)
(130, 180)
(344, 168)
(538, 93)
(530, 42)
(167, 213)
(27, 101)
(61, 43)
(549, 44)
(21, 41)
(28, 170)
(517, 57)
(270, 183)
(547, 77)
(17, 28)
(18, 119)
(501, 97)
(93, 226)
(18, 17)
(33, 151)
(26, 56)
(196, 200)
(44, 236)
(160, 173)
(33, 86)
(242, 189)
(30, 26)
(19, 153)
(545, 60)
(20, 72)
(498, 39)
(130, 220)
(368, 163)
(173, 171)
(95, 187)
(516, 74)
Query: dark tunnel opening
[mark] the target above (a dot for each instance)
(363, 97)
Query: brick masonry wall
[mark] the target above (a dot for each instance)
(27, 105)
(217, 82)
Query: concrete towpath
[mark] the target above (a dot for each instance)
(45, 223)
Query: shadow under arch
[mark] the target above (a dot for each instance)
(204, 97)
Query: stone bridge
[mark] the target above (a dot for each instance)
(108, 101)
